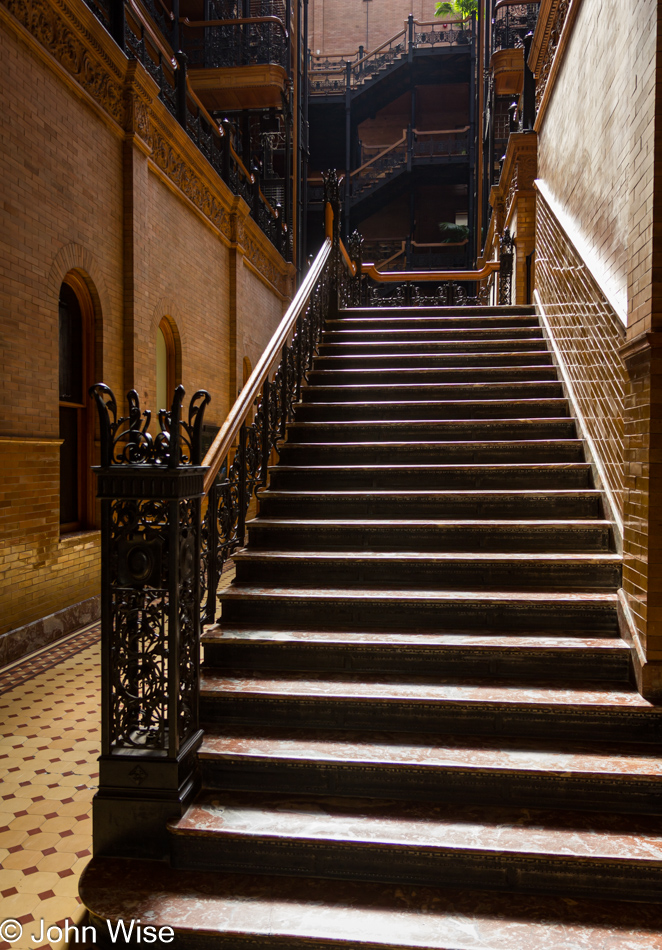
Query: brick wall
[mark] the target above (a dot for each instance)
(341, 26)
(599, 162)
(83, 191)
(589, 336)
(596, 153)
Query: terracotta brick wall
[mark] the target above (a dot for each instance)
(596, 153)
(589, 335)
(341, 26)
(83, 191)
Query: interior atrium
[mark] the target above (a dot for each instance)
(329, 598)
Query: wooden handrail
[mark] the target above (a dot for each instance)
(243, 405)
(465, 128)
(401, 276)
(378, 48)
(156, 41)
(194, 24)
(510, 3)
(381, 155)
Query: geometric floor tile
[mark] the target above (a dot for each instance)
(49, 745)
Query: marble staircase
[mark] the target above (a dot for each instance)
(420, 724)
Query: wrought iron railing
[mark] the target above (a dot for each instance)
(334, 73)
(170, 521)
(223, 43)
(141, 40)
(512, 21)
(413, 145)
(161, 558)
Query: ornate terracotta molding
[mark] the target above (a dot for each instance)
(555, 22)
(128, 95)
(517, 176)
(70, 33)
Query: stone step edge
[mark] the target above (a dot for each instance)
(318, 914)
(332, 828)
(220, 635)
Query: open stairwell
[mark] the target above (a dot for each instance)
(420, 727)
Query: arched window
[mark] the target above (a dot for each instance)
(76, 353)
(166, 364)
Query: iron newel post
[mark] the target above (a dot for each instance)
(151, 493)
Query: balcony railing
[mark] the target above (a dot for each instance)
(512, 22)
(333, 73)
(226, 43)
(413, 145)
(142, 40)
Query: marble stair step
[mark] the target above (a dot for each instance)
(398, 393)
(337, 332)
(412, 317)
(470, 503)
(437, 430)
(487, 769)
(425, 374)
(458, 346)
(432, 409)
(424, 360)
(454, 535)
(226, 912)
(442, 452)
(553, 475)
(522, 850)
(430, 571)
(569, 654)
(581, 711)
(594, 613)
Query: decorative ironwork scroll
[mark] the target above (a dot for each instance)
(151, 492)
(224, 525)
(506, 253)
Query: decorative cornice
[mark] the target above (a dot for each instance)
(555, 23)
(517, 175)
(128, 95)
(640, 349)
(61, 29)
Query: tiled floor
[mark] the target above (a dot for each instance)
(49, 743)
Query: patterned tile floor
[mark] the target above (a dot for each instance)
(49, 743)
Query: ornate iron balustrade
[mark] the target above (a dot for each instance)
(511, 24)
(412, 146)
(442, 144)
(273, 388)
(333, 73)
(161, 560)
(442, 32)
(226, 43)
(139, 40)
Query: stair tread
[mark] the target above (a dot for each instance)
(524, 403)
(624, 839)
(440, 751)
(560, 597)
(416, 689)
(222, 634)
(432, 467)
(436, 522)
(567, 421)
(432, 556)
(401, 493)
(226, 908)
